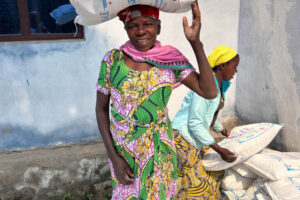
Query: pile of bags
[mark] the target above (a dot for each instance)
(258, 173)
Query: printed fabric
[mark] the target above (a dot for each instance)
(140, 126)
(194, 182)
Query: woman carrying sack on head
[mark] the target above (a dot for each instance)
(191, 131)
(138, 79)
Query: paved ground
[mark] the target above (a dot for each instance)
(35, 172)
(48, 157)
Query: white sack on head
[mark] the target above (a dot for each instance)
(244, 140)
(274, 165)
(92, 12)
(284, 189)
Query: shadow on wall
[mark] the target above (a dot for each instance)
(277, 143)
(16, 137)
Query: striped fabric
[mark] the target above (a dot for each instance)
(194, 182)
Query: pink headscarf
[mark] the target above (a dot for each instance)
(162, 56)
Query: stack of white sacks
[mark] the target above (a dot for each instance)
(258, 173)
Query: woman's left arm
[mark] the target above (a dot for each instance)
(203, 84)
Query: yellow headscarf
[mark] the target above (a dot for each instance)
(221, 54)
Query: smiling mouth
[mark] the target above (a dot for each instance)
(141, 41)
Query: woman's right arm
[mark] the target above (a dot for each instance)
(225, 154)
(102, 115)
(203, 84)
(121, 168)
(196, 125)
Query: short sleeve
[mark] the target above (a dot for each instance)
(182, 74)
(103, 84)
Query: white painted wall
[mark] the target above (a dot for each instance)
(268, 85)
(48, 88)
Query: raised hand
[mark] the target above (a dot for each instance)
(192, 33)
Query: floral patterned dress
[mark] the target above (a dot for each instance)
(140, 126)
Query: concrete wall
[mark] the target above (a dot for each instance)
(56, 172)
(48, 92)
(48, 88)
(268, 83)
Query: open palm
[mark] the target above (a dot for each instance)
(192, 32)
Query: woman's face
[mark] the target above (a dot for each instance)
(230, 69)
(142, 32)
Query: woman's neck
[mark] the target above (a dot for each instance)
(136, 66)
(219, 77)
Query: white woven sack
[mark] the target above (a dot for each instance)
(262, 196)
(244, 140)
(284, 189)
(236, 194)
(242, 170)
(232, 180)
(91, 12)
(257, 190)
(274, 165)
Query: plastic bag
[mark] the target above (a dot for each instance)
(63, 14)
